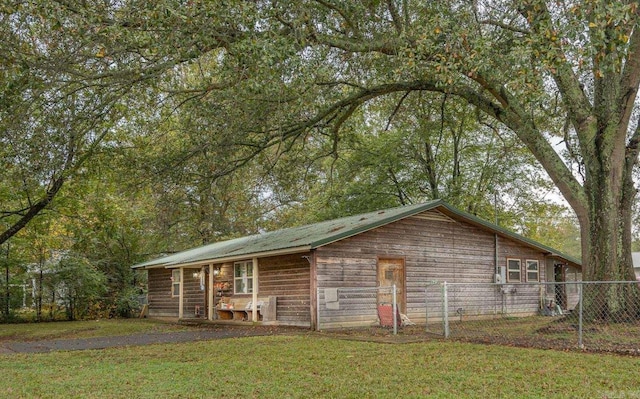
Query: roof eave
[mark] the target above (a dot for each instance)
(146, 265)
(264, 254)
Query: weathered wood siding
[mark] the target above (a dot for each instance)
(520, 299)
(193, 295)
(287, 277)
(161, 303)
(435, 248)
(159, 295)
(432, 247)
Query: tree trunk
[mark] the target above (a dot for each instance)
(41, 278)
(52, 309)
(7, 307)
(607, 245)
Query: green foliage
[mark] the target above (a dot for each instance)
(554, 226)
(127, 303)
(79, 286)
(130, 129)
(13, 290)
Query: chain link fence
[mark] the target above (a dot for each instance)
(600, 316)
(596, 316)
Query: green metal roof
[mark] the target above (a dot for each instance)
(305, 238)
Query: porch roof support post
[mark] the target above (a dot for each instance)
(181, 296)
(210, 294)
(254, 290)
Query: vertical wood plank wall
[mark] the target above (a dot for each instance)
(159, 295)
(193, 295)
(161, 303)
(287, 277)
(434, 248)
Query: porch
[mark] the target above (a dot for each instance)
(204, 292)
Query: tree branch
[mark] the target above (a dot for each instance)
(34, 209)
(395, 17)
(509, 113)
(395, 110)
(630, 79)
(504, 26)
(575, 98)
(387, 45)
(343, 14)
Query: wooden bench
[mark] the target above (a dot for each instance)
(240, 308)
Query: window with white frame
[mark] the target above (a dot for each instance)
(533, 270)
(175, 282)
(243, 277)
(513, 270)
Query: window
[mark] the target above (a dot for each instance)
(175, 282)
(533, 270)
(243, 277)
(513, 270)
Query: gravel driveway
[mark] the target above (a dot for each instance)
(200, 334)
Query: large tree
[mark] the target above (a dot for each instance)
(434, 147)
(548, 71)
(553, 72)
(71, 73)
(557, 74)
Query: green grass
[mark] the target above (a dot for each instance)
(554, 332)
(82, 329)
(312, 365)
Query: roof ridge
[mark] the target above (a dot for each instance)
(314, 235)
(332, 235)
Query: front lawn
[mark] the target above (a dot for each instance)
(312, 365)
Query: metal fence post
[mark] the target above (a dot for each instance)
(395, 312)
(445, 310)
(580, 299)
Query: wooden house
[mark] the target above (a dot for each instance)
(276, 277)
